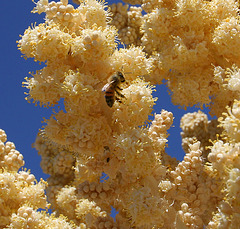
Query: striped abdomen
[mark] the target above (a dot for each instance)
(110, 95)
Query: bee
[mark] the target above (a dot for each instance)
(113, 86)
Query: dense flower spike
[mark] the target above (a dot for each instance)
(231, 122)
(187, 40)
(127, 22)
(197, 127)
(27, 217)
(18, 189)
(193, 47)
(158, 130)
(192, 192)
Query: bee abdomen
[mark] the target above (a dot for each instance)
(109, 100)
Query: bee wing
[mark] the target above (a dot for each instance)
(106, 86)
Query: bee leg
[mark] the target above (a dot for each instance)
(119, 100)
(121, 95)
(119, 88)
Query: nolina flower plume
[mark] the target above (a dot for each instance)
(189, 44)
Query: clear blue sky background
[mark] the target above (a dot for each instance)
(21, 120)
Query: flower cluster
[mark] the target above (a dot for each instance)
(197, 127)
(192, 45)
(127, 22)
(189, 41)
(21, 195)
(10, 158)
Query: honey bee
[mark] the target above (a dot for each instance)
(113, 86)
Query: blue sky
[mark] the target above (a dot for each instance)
(21, 120)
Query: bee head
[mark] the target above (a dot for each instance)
(121, 77)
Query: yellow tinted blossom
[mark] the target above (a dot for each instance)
(193, 47)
